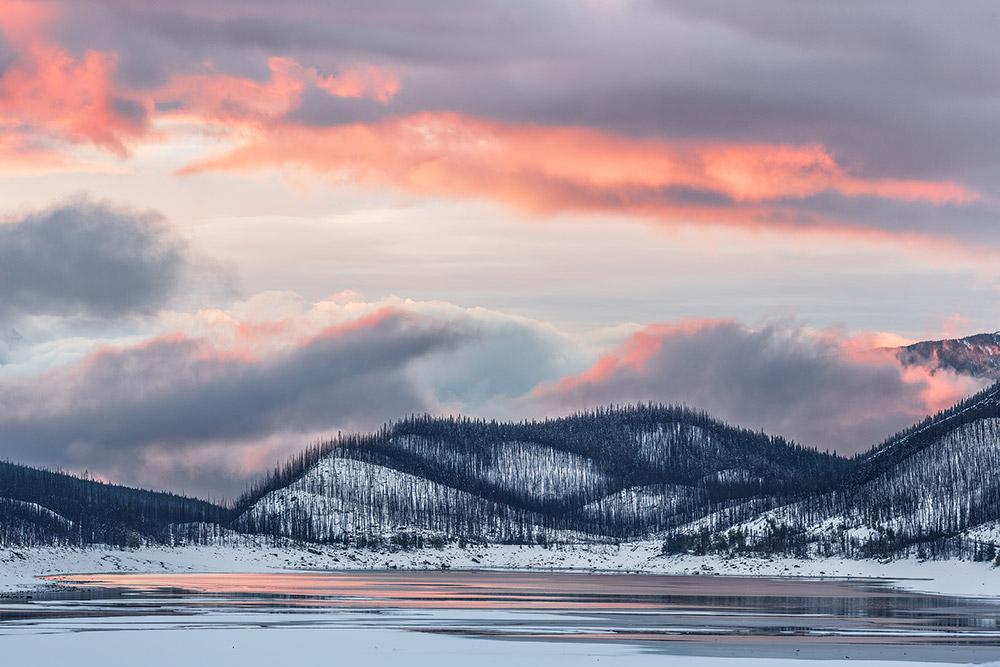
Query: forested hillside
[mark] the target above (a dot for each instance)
(923, 491)
(613, 474)
(43, 507)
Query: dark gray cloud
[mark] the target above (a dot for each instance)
(90, 259)
(139, 412)
(972, 223)
(781, 379)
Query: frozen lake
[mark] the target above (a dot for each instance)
(498, 618)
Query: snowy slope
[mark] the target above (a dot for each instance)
(642, 506)
(613, 474)
(945, 492)
(343, 499)
(639, 472)
(526, 470)
(35, 508)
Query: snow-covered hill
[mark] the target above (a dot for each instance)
(653, 473)
(618, 474)
(45, 507)
(933, 489)
(346, 500)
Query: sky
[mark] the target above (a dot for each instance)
(230, 229)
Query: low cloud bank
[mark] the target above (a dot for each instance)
(228, 392)
(819, 388)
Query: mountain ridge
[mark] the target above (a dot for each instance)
(977, 355)
(931, 489)
(646, 471)
(601, 454)
(612, 474)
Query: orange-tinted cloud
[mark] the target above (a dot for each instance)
(219, 97)
(49, 96)
(573, 169)
(633, 355)
(225, 99)
(361, 82)
(938, 388)
(23, 20)
(46, 93)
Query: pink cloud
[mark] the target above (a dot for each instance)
(369, 82)
(555, 168)
(634, 355)
(47, 92)
(550, 170)
(49, 96)
(22, 21)
(224, 99)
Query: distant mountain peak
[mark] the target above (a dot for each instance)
(976, 356)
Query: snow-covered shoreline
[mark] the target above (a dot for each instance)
(20, 568)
